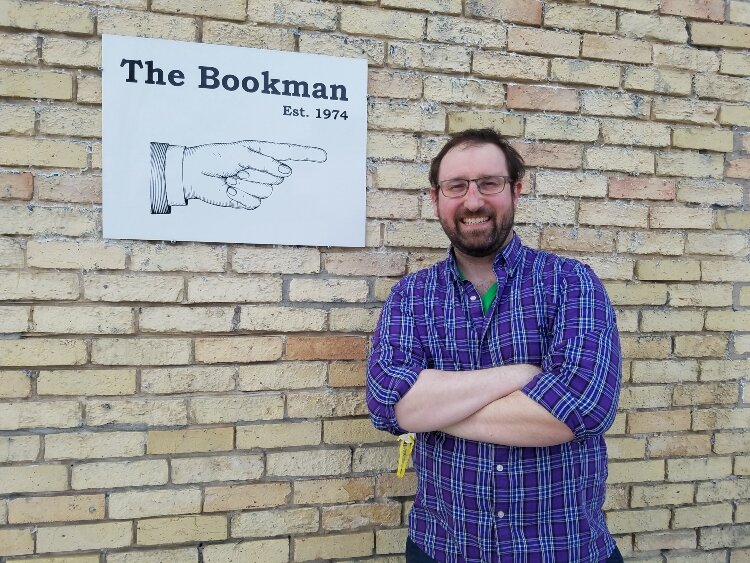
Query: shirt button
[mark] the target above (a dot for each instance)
(500, 467)
(500, 513)
(473, 298)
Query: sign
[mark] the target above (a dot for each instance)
(229, 144)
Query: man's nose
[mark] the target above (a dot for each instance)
(473, 198)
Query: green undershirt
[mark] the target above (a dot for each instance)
(488, 297)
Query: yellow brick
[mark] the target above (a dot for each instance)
(646, 520)
(32, 83)
(375, 458)
(449, 89)
(505, 124)
(394, 84)
(278, 435)
(210, 410)
(729, 535)
(76, 189)
(706, 394)
(571, 184)
(181, 529)
(187, 379)
(140, 351)
(187, 257)
(626, 132)
(636, 471)
(685, 57)
(690, 111)
(71, 52)
(74, 255)
(186, 319)
(742, 344)
(662, 81)
(710, 192)
(237, 349)
(558, 238)
(612, 213)
(626, 448)
(415, 234)
(17, 120)
(580, 18)
(354, 516)
(407, 116)
(671, 321)
(224, 9)
(89, 89)
(342, 45)
(660, 495)
(325, 403)
(447, 6)
(16, 542)
(41, 152)
(33, 479)
(720, 419)
(540, 41)
(217, 468)
(509, 65)
(725, 270)
(628, 293)
(704, 515)
(18, 49)
(464, 31)
(723, 35)
(744, 296)
(634, 161)
(276, 260)
(11, 255)
(264, 523)
(585, 72)
(268, 551)
(678, 539)
(643, 397)
(42, 352)
(519, 11)
(703, 138)
(56, 509)
(715, 243)
(282, 375)
(680, 218)
(680, 445)
(153, 412)
(143, 504)
(737, 220)
(86, 382)
(390, 541)
(193, 440)
(117, 474)
(391, 23)
(328, 491)
(689, 163)
(691, 346)
(537, 211)
(616, 49)
(19, 448)
(91, 445)
(618, 104)
(650, 243)
(737, 64)
(352, 319)
(92, 320)
(230, 289)
(308, 463)
(727, 320)
(14, 319)
(739, 12)
(653, 27)
(649, 347)
(566, 128)
(735, 115)
(668, 270)
(242, 497)
(656, 421)
(143, 24)
(55, 17)
(616, 498)
(73, 121)
(641, 5)
(37, 220)
(334, 545)
(350, 431)
(242, 35)
(717, 86)
(328, 290)
(185, 555)
(136, 287)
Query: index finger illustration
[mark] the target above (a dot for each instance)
(288, 151)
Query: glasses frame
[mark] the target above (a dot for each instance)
(476, 181)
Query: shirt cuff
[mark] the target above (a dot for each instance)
(547, 390)
(173, 173)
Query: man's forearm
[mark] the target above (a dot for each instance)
(442, 398)
(513, 420)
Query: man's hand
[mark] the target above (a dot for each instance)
(240, 174)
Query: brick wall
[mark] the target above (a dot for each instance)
(204, 402)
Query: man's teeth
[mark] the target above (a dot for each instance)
(474, 220)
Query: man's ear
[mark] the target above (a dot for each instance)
(516, 191)
(434, 198)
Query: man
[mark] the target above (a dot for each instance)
(505, 362)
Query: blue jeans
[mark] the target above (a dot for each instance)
(416, 555)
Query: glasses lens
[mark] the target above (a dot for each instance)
(491, 184)
(454, 188)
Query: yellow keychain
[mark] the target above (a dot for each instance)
(405, 446)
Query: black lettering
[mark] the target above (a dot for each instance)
(269, 84)
(230, 82)
(338, 92)
(296, 86)
(246, 81)
(176, 78)
(208, 77)
(320, 91)
(131, 68)
(154, 71)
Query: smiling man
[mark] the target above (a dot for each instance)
(505, 362)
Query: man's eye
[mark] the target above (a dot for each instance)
(455, 186)
(490, 184)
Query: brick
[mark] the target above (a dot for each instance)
(662, 81)
(614, 268)
(405, 115)
(656, 421)
(700, 346)
(704, 515)
(358, 431)
(133, 287)
(187, 257)
(185, 555)
(734, 115)
(86, 382)
(550, 155)
(715, 243)
(33, 83)
(615, 213)
(394, 84)
(685, 57)
(396, 146)
(16, 186)
(271, 261)
(737, 64)
(739, 12)
(450, 89)
(673, 539)
(720, 419)
(365, 263)
(741, 344)
(14, 319)
(308, 463)
(535, 211)
(730, 535)
(282, 375)
(89, 89)
(560, 238)
(325, 403)
(642, 188)
(626, 448)
(616, 104)
(633, 161)
(18, 48)
(704, 295)
(264, 523)
(55, 17)
(687, 163)
(681, 445)
(521, 96)
(571, 184)
(680, 218)
(73, 320)
(644, 26)
(181, 529)
(389, 485)
(354, 516)
(645, 520)
(640, 5)
(328, 290)
(94, 445)
(672, 321)
(727, 320)
(140, 351)
(390, 541)
(237, 349)
(505, 124)
(340, 45)
(334, 545)
(616, 49)
(278, 435)
(144, 24)
(242, 497)
(328, 491)
(69, 188)
(668, 270)
(391, 23)
(33, 479)
(393, 176)
(721, 35)
(688, 111)
(561, 128)
(720, 87)
(37, 220)
(217, 468)
(585, 72)
(699, 9)
(191, 440)
(16, 542)
(42, 352)
(642, 397)
(540, 41)
(467, 32)
(425, 56)
(738, 168)
(660, 495)
(187, 379)
(712, 270)
(326, 348)
(225, 289)
(703, 138)
(55, 509)
(74, 255)
(346, 374)
(671, 371)
(240, 35)
(151, 412)
(19, 448)
(709, 192)
(225, 9)
(75, 121)
(627, 132)
(15, 384)
(580, 18)
(186, 319)
(84, 53)
(636, 471)
(269, 551)
(375, 458)
(655, 347)
(706, 394)
(509, 66)
(211, 410)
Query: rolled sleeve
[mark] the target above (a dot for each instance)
(581, 373)
(395, 362)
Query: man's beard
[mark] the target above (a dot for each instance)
(486, 244)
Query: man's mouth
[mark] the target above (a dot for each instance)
(474, 220)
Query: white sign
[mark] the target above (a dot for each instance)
(228, 144)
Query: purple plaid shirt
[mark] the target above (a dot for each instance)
(483, 502)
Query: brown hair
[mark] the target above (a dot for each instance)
(516, 165)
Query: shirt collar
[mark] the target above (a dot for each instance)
(507, 259)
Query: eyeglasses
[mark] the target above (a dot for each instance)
(487, 185)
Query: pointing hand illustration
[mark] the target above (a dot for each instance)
(239, 174)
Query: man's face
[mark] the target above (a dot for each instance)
(477, 225)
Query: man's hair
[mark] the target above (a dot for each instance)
(516, 165)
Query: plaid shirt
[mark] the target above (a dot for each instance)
(488, 503)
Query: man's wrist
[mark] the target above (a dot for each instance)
(174, 175)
